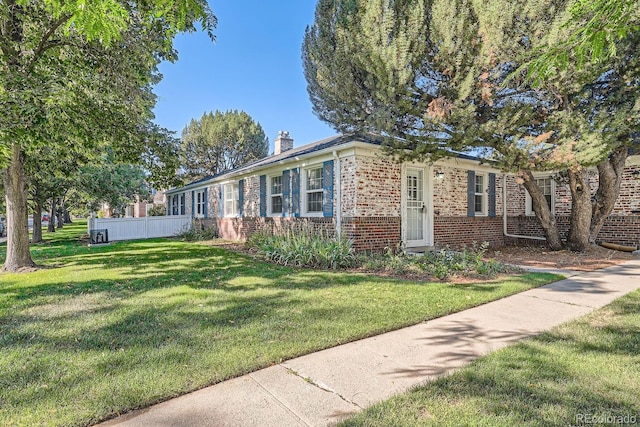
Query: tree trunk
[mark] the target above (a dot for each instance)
(546, 219)
(60, 214)
(15, 187)
(67, 216)
(51, 228)
(37, 223)
(610, 176)
(580, 221)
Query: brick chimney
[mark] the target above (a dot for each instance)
(282, 143)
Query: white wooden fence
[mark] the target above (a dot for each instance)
(141, 228)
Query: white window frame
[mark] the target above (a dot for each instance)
(230, 189)
(270, 195)
(198, 203)
(175, 206)
(484, 193)
(304, 191)
(529, 203)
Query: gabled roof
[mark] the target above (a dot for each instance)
(323, 144)
(304, 150)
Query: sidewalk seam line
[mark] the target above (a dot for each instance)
(315, 384)
(560, 302)
(280, 402)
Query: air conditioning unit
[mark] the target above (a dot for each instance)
(98, 237)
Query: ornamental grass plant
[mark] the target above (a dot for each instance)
(303, 244)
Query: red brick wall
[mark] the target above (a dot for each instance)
(373, 233)
(623, 230)
(367, 233)
(242, 228)
(379, 233)
(458, 231)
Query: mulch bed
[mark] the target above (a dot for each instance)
(595, 258)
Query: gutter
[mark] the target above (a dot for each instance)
(504, 215)
(338, 174)
(251, 169)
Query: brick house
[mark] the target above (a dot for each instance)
(349, 186)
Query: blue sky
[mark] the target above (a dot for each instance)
(254, 65)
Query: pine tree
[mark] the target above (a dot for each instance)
(460, 87)
(219, 142)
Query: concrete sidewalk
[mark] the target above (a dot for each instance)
(325, 387)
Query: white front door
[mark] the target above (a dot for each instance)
(415, 208)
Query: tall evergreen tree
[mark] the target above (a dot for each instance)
(457, 90)
(603, 24)
(219, 142)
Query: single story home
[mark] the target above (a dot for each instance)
(348, 185)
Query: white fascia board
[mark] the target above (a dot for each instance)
(198, 186)
(459, 163)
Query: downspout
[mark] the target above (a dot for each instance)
(338, 174)
(504, 215)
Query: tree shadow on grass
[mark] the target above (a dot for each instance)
(142, 266)
(547, 380)
(175, 347)
(193, 343)
(155, 307)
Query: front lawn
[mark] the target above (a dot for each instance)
(103, 330)
(586, 372)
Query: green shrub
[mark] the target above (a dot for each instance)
(157, 210)
(303, 245)
(440, 264)
(198, 233)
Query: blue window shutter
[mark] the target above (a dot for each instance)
(241, 197)
(327, 189)
(295, 192)
(286, 192)
(183, 202)
(193, 203)
(220, 201)
(263, 196)
(206, 204)
(471, 193)
(492, 194)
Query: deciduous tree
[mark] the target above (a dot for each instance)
(73, 73)
(113, 183)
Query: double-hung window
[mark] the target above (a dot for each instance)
(547, 185)
(198, 203)
(231, 198)
(480, 196)
(275, 195)
(175, 204)
(313, 190)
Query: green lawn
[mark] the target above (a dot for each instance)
(107, 329)
(586, 372)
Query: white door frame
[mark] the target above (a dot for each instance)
(428, 201)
